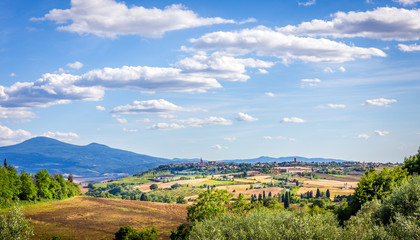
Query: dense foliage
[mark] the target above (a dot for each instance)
(24, 186)
(14, 226)
(129, 233)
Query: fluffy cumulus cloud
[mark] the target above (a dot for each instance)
(409, 48)
(108, 18)
(407, 2)
(165, 126)
(381, 133)
(62, 136)
(63, 88)
(243, 117)
(309, 82)
(379, 102)
(363, 136)
(100, 108)
(387, 23)
(292, 120)
(75, 65)
(9, 136)
(270, 94)
(221, 65)
(268, 42)
(16, 113)
(218, 147)
(151, 106)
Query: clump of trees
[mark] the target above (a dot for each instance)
(26, 187)
(129, 233)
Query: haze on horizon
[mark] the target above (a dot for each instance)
(213, 79)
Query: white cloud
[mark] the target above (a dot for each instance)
(362, 136)
(100, 108)
(16, 113)
(165, 126)
(197, 122)
(341, 69)
(328, 69)
(218, 147)
(267, 42)
(75, 65)
(268, 137)
(308, 3)
(151, 106)
(230, 139)
(9, 136)
(121, 120)
(12, 75)
(270, 94)
(221, 65)
(63, 88)
(379, 102)
(130, 130)
(62, 136)
(262, 71)
(386, 23)
(381, 133)
(245, 117)
(306, 82)
(331, 105)
(409, 48)
(108, 18)
(407, 2)
(293, 120)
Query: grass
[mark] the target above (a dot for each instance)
(127, 180)
(100, 218)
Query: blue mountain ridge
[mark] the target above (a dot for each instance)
(98, 161)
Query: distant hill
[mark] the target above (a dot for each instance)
(96, 162)
(90, 161)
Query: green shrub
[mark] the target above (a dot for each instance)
(14, 226)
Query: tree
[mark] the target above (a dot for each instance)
(241, 206)
(154, 186)
(128, 233)
(286, 200)
(176, 185)
(5, 163)
(181, 233)
(181, 200)
(144, 197)
(209, 204)
(374, 185)
(14, 226)
(328, 194)
(28, 189)
(412, 163)
(70, 178)
(318, 193)
(43, 182)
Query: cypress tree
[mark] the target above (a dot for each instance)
(5, 163)
(328, 194)
(318, 193)
(263, 194)
(260, 197)
(286, 200)
(269, 194)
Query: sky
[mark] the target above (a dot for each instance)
(214, 79)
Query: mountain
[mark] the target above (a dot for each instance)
(90, 161)
(96, 162)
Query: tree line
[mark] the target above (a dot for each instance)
(28, 187)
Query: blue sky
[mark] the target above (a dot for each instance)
(214, 79)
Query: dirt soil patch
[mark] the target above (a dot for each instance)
(100, 218)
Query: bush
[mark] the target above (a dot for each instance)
(14, 226)
(268, 224)
(128, 233)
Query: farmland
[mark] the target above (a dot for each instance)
(100, 218)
